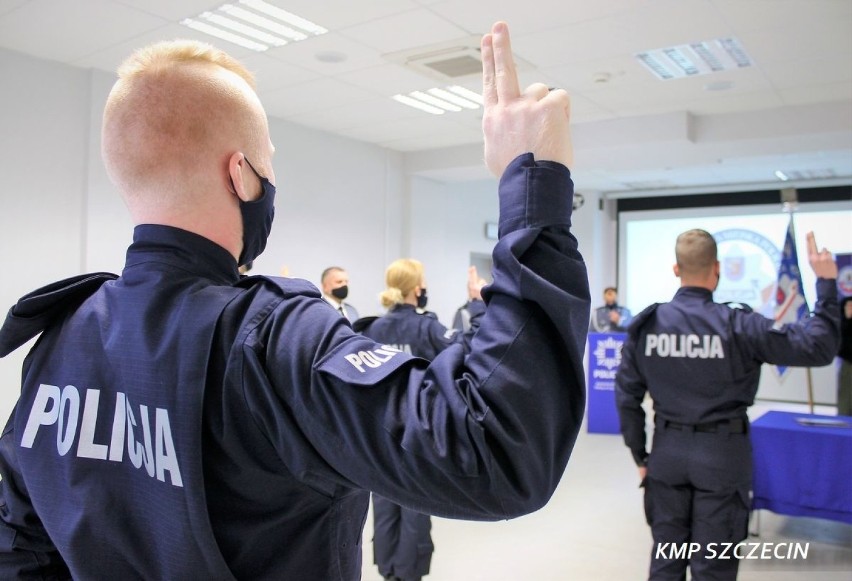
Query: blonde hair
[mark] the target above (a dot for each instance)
(175, 106)
(401, 276)
(162, 56)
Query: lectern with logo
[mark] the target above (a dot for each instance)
(604, 359)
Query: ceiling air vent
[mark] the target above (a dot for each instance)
(456, 66)
(449, 61)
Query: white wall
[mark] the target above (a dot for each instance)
(447, 224)
(44, 111)
(339, 202)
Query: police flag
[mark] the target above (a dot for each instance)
(790, 303)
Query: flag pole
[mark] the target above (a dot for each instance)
(810, 390)
(789, 206)
(791, 305)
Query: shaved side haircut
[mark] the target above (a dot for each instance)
(176, 105)
(695, 251)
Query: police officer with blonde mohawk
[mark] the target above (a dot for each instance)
(182, 422)
(700, 361)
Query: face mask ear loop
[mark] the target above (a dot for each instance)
(230, 179)
(252, 168)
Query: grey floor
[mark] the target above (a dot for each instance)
(594, 529)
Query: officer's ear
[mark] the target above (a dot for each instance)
(236, 174)
(676, 270)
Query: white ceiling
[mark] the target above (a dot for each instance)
(792, 111)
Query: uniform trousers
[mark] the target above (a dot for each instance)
(697, 491)
(402, 543)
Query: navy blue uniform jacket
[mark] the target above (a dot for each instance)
(701, 360)
(419, 334)
(178, 422)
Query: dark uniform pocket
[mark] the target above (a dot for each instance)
(424, 558)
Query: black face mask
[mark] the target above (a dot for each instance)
(257, 220)
(422, 299)
(340, 292)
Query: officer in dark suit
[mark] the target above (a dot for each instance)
(700, 361)
(181, 421)
(401, 537)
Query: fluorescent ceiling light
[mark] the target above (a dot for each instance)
(285, 16)
(426, 98)
(452, 98)
(654, 66)
(806, 174)
(466, 93)
(223, 34)
(263, 22)
(240, 28)
(418, 104)
(735, 51)
(696, 58)
(254, 24)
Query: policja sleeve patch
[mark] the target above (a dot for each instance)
(363, 362)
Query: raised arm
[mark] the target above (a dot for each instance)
(484, 435)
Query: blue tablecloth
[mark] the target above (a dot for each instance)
(802, 470)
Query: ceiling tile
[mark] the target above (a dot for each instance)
(624, 34)
(109, 58)
(368, 113)
(477, 17)
(341, 82)
(806, 72)
(337, 14)
(341, 54)
(385, 131)
(289, 102)
(735, 101)
(61, 31)
(389, 79)
(778, 45)
(404, 31)
(271, 74)
(171, 10)
(832, 92)
(808, 15)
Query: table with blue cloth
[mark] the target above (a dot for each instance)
(803, 470)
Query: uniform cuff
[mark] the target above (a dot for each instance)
(826, 288)
(641, 458)
(535, 194)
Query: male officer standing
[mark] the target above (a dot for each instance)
(610, 317)
(335, 289)
(183, 422)
(700, 361)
